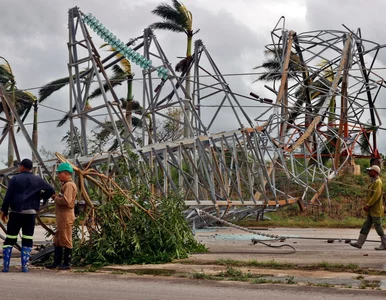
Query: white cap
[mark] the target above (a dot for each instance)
(375, 168)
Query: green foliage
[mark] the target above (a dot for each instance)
(128, 235)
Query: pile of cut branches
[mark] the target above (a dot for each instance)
(120, 226)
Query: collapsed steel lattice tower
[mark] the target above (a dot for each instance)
(286, 155)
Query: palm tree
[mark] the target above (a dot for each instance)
(178, 18)
(272, 65)
(23, 101)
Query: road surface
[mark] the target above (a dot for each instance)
(48, 285)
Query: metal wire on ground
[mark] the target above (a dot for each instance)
(273, 237)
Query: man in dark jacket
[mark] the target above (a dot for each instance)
(21, 203)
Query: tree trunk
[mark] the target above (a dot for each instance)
(187, 117)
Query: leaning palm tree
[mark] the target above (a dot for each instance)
(178, 18)
(23, 101)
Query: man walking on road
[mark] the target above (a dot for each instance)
(22, 199)
(374, 208)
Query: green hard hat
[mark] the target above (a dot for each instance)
(65, 167)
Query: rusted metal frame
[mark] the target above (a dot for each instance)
(249, 167)
(229, 171)
(184, 175)
(282, 97)
(333, 88)
(219, 160)
(226, 174)
(255, 152)
(343, 111)
(265, 172)
(238, 173)
(149, 162)
(306, 79)
(204, 163)
(197, 171)
(165, 172)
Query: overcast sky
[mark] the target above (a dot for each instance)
(34, 35)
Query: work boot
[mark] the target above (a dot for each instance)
(361, 240)
(66, 260)
(7, 252)
(58, 253)
(383, 244)
(25, 255)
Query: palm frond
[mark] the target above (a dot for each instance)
(137, 122)
(184, 64)
(118, 77)
(6, 75)
(26, 113)
(65, 118)
(173, 15)
(187, 15)
(52, 87)
(23, 100)
(124, 62)
(114, 146)
(168, 26)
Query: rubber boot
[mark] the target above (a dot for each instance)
(25, 255)
(383, 244)
(58, 253)
(7, 252)
(361, 240)
(66, 260)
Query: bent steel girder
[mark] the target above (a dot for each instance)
(231, 164)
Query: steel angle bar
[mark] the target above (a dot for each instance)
(175, 77)
(76, 86)
(242, 179)
(228, 91)
(205, 183)
(184, 175)
(153, 174)
(25, 133)
(161, 163)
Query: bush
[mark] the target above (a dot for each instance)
(131, 235)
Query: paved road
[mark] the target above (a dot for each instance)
(44, 285)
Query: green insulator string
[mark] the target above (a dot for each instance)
(121, 47)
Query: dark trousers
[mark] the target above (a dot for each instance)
(25, 222)
(377, 221)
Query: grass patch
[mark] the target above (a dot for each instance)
(344, 208)
(272, 264)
